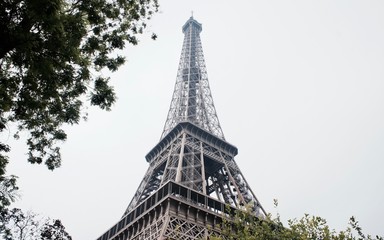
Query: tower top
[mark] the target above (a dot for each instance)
(192, 23)
(192, 100)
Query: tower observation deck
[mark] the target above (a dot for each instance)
(192, 181)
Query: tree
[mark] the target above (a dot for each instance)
(244, 225)
(19, 225)
(51, 55)
(8, 194)
(54, 231)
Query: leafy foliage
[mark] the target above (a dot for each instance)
(8, 191)
(19, 225)
(28, 226)
(54, 231)
(51, 55)
(244, 225)
(8, 194)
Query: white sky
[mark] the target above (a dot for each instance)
(298, 88)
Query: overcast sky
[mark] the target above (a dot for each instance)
(298, 88)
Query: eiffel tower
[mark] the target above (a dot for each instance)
(193, 180)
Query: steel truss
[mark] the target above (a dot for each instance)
(201, 161)
(193, 181)
(192, 99)
(172, 212)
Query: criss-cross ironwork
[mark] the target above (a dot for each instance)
(193, 181)
(192, 100)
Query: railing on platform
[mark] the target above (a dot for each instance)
(172, 190)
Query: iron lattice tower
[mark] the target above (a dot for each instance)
(193, 181)
(192, 100)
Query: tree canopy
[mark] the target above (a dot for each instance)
(244, 225)
(51, 55)
(21, 225)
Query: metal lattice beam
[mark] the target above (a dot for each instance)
(192, 100)
(192, 177)
(193, 160)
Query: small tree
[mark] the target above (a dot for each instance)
(244, 225)
(18, 225)
(54, 231)
(21, 226)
